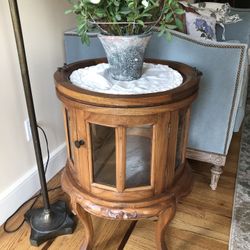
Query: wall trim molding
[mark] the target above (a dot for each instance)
(27, 185)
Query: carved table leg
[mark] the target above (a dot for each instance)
(88, 226)
(164, 219)
(216, 172)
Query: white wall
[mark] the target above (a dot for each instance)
(43, 23)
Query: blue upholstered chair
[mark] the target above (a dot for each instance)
(220, 106)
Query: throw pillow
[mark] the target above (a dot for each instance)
(200, 26)
(220, 11)
(187, 8)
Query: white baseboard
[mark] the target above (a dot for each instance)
(29, 184)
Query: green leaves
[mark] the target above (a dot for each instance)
(100, 13)
(126, 17)
(140, 22)
(171, 26)
(131, 4)
(118, 17)
(179, 24)
(179, 11)
(125, 11)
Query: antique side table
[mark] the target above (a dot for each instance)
(126, 153)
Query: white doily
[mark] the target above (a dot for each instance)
(155, 78)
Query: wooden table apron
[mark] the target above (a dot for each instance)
(166, 113)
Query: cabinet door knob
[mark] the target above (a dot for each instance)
(79, 143)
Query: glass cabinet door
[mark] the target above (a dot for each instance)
(137, 155)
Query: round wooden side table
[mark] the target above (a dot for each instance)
(126, 153)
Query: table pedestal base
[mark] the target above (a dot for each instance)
(163, 206)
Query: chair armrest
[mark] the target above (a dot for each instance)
(223, 65)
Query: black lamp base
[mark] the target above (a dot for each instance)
(48, 224)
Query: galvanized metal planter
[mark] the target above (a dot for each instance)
(125, 55)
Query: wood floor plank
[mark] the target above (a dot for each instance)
(202, 221)
(143, 238)
(108, 235)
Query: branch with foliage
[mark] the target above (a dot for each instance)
(126, 17)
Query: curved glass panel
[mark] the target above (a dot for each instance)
(138, 156)
(103, 154)
(180, 139)
(69, 135)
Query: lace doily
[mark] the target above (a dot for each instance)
(155, 78)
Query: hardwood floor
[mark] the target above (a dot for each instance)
(202, 220)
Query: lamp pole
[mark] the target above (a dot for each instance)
(51, 220)
(29, 98)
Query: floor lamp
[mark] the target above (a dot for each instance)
(53, 219)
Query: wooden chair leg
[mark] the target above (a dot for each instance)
(216, 171)
(85, 218)
(164, 219)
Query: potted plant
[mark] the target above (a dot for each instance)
(125, 29)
